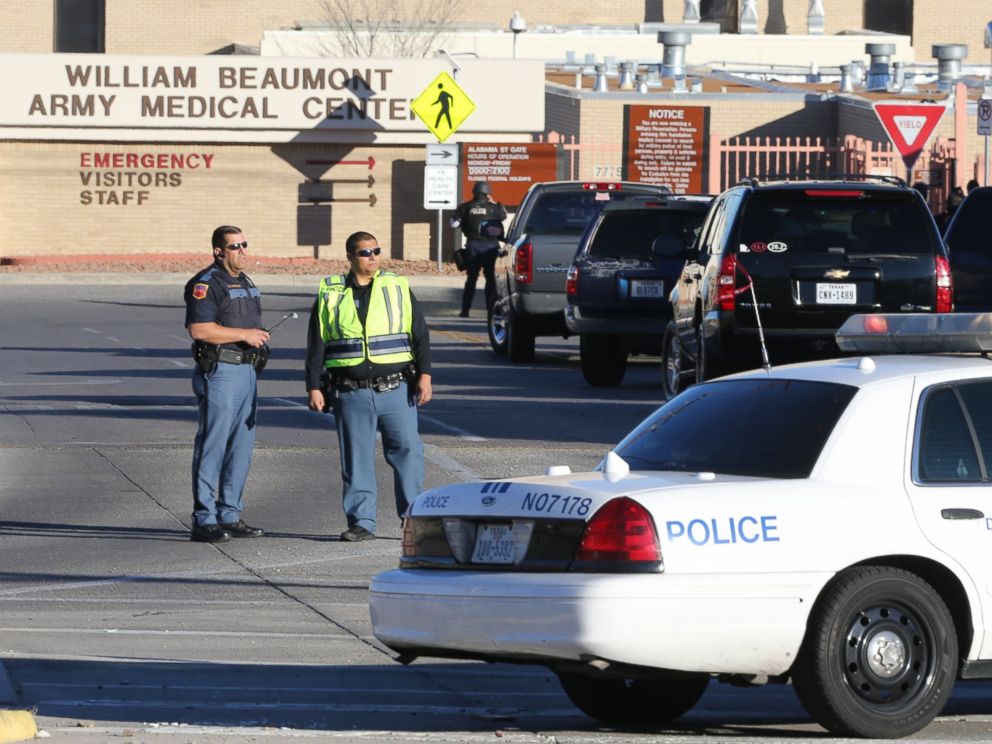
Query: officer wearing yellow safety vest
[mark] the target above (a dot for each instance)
(368, 359)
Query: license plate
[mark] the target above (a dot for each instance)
(836, 294)
(647, 288)
(493, 544)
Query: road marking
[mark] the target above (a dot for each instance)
(61, 383)
(462, 434)
(449, 464)
(91, 330)
(179, 363)
(115, 340)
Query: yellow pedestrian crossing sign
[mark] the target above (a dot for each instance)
(443, 106)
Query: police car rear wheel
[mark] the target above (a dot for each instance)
(496, 324)
(634, 701)
(880, 656)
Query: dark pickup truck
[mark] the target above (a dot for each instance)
(618, 284)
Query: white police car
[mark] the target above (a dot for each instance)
(827, 523)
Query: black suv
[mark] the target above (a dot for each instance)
(809, 254)
(542, 239)
(969, 243)
(618, 284)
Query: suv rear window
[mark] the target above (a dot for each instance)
(634, 233)
(569, 212)
(762, 428)
(865, 223)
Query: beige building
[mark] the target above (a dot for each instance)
(116, 144)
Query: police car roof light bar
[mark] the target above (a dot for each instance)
(917, 333)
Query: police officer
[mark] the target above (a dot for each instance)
(368, 357)
(476, 218)
(224, 319)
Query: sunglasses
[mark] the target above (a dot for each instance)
(366, 252)
(243, 245)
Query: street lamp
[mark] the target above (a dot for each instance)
(517, 25)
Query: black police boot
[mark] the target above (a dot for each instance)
(209, 533)
(240, 529)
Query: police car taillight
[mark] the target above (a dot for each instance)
(603, 186)
(409, 544)
(622, 530)
(572, 281)
(726, 282)
(945, 285)
(916, 333)
(523, 263)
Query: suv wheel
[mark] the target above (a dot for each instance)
(519, 338)
(603, 361)
(497, 326)
(673, 366)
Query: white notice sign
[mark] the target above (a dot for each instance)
(440, 186)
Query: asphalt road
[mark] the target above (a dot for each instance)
(114, 625)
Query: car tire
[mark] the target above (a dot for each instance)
(496, 325)
(673, 362)
(842, 677)
(603, 361)
(638, 702)
(519, 337)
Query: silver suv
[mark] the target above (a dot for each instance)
(542, 240)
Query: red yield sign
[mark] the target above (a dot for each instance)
(909, 126)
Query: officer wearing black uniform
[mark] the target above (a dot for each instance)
(474, 217)
(224, 319)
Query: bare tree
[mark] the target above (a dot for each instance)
(388, 28)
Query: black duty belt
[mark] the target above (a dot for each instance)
(380, 384)
(233, 356)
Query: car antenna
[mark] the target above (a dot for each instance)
(765, 364)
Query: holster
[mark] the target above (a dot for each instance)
(261, 358)
(205, 357)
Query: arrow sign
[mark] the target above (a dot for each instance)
(909, 126)
(369, 161)
(312, 193)
(370, 181)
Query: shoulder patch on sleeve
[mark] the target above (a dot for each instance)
(200, 290)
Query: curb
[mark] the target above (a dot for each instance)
(15, 725)
(309, 281)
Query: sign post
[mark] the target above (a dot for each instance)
(448, 106)
(985, 128)
(909, 127)
(440, 193)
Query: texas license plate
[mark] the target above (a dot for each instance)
(647, 288)
(836, 294)
(493, 544)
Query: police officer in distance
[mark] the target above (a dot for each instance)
(224, 319)
(475, 218)
(368, 357)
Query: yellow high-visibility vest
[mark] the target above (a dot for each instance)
(387, 337)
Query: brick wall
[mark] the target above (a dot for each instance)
(203, 26)
(27, 26)
(256, 187)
